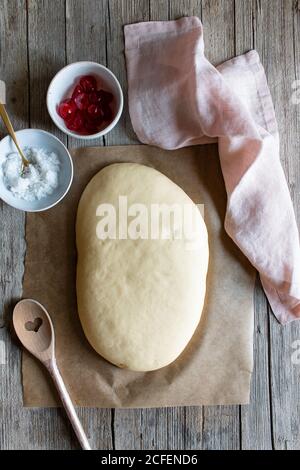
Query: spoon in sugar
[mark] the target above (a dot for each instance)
(10, 130)
(35, 330)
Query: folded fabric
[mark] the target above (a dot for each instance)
(177, 98)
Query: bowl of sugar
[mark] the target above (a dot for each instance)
(47, 179)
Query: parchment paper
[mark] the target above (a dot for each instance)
(216, 366)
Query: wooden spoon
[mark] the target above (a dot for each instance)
(34, 329)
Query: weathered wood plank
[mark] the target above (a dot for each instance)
(13, 70)
(221, 425)
(120, 14)
(46, 428)
(243, 25)
(218, 22)
(16, 428)
(179, 8)
(46, 49)
(221, 428)
(159, 428)
(280, 56)
(86, 32)
(159, 10)
(255, 417)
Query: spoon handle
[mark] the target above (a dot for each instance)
(11, 132)
(68, 405)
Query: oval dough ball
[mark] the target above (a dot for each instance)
(139, 300)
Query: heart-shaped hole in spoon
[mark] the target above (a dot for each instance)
(34, 325)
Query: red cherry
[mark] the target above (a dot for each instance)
(77, 91)
(88, 83)
(107, 113)
(99, 121)
(76, 124)
(82, 101)
(94, 111)
(92, 123)
(105, 96)
(94, 97)
(66, 109)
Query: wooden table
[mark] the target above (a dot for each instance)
(37, 38)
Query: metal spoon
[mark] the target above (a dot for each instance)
(34, 329)
(10, 130)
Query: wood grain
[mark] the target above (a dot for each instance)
(14, 70)
(221, 425)
(120, 14)
(281, 71)
(40, 40)
(86, 32)
(255, 418)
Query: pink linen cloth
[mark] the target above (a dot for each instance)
(177, 98)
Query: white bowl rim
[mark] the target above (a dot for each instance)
(21, 131)
(106, 129)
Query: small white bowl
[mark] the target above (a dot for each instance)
(39, 139)
(63, 84)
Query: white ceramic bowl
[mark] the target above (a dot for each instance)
(63, 84)
(39, 139)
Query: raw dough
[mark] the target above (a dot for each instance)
(139, 301)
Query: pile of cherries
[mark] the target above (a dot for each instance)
(88, 108)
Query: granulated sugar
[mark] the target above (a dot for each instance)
(38, 180)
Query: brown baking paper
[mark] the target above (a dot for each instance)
(215, 367)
